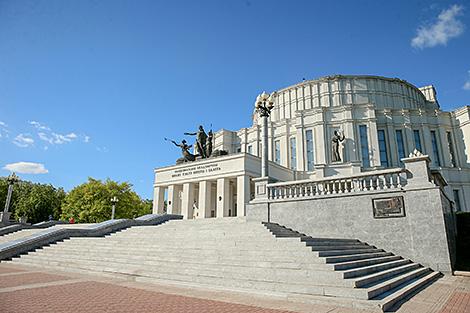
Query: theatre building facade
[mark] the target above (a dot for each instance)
(335, 126)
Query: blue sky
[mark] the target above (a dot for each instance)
(91, 88)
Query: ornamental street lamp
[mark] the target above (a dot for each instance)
(114, 200)
(264, 105)
(11, 180)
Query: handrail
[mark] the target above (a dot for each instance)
(368, 181)
(362, 174)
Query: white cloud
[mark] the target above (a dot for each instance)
(466, 86)
(86, 139)
(446, 27)
(26, 168)
(39, 125)
(57, 139)
(3, 130)
(23, 140)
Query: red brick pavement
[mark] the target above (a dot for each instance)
(4, 270)
(24, 278)
(458, 303)
(93, 297)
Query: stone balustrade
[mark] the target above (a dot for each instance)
(390, 179)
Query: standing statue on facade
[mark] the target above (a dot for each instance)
(201, 138)
(209, 144)
(187, 156)
(338, 137)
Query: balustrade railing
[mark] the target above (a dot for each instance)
(393, 179)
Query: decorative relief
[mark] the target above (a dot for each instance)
(388, 207)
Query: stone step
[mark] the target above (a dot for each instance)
(364, 262)
(391, 283)
(201, 281)
(317, 239)
(213, 262)
(339, 247)
(201, 254)
(394, 296)
(209, 249)
(354, 257)
(277, 276)
(346, 252)
(363, 271)
(379, 276)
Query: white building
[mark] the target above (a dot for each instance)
(383, 120)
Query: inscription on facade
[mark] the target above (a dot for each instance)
(388, 207)
(195, 170)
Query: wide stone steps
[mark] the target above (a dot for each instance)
(163, 260)
(235, 254)
(374, 274)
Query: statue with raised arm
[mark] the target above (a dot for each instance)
(338, 137)
(187, 156)
(201, 138)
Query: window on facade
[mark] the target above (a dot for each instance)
(457, 200)
(382, 148)
(400, 144)
(293, 154)
(310, 159)
(364, 145)
(277, 152)
(417, 139)
(435, 151)
(451, 149)
(250, 149)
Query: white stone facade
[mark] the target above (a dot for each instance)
(383, 120)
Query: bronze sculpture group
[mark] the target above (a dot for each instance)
(203, 147)
(204, 142)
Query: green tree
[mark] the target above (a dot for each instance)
(34, 201)
(90, 202)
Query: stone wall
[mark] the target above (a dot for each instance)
(420, 235)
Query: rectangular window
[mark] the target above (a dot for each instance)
(293, 154)
(417, 138)
(457, 200)
(364, 145)
(277, 152)
(382, 148)
(250, 149)
(310, 158)
(451, 149)
(400, 144)
(435, 151)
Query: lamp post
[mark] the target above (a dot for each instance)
(114, 200)
(264, 105)
(11, 180)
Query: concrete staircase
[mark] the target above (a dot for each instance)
(373, 274)
(234, 254)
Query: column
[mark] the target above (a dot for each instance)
(173, 206)
(444, 147)
(187, 201)
(243, 194)
(300, 142)
(374, 144)
(320, 146)
(158, 200)
(205, 199)
(223, 194)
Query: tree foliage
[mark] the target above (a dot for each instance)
(91, 202)
(33, 200)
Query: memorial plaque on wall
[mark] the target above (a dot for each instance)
(388, 207)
